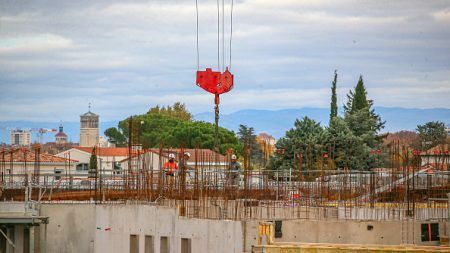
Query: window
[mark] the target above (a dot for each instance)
(430, 232)
(278, 225)
(117, 168)
(134, 244)
(164, 245)
(185, 245)
(82, 167)
(149, 248)
(58, 174)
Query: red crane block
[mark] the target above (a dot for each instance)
(215, 82)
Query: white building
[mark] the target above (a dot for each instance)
(20, 162)
(200, 159)
(107, 158)
(20, 137)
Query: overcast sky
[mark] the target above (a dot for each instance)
(124, 57)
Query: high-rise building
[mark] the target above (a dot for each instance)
(89, 135)
(61, 137)
(20, 137)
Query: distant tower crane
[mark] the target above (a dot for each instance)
(42, 131)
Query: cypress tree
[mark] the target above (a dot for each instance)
(93, 164)
(333, 105)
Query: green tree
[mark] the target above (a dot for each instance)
(178, 110)
(115, 136)
(431, 134)
(93, 164)
(340, 139)
(333, 105)
(308, 139)
(173, 131)
(357, 101)
(364, 124)
(247, 137)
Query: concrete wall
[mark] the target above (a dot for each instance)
(107, 228)
(71, 227)
(346, 232)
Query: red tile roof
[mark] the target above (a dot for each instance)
(25, 155)
(105, 151)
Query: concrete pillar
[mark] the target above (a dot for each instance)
(32, 237)
(43, 246)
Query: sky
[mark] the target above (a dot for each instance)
(124, 57)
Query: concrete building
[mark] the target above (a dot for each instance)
(108, 158)
(104, 143)
(20, 137)
(266, 143)
(61, 137)
(120, 228)
(21, 228)
(89, 133)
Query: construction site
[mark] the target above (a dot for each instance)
(201, 210)
(130, 192)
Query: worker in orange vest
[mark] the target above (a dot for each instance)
(170, 168)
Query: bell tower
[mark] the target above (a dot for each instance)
(89, 134)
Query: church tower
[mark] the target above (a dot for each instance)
(89, 136)
(61, 137)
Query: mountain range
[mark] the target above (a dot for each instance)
(273, 122)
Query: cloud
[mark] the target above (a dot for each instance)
(28, 44)
(126, 56)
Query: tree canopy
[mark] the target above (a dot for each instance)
(247, 137)
(348, 142)
(174, 127)
(431, 134)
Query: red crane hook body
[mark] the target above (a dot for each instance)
(215, 82)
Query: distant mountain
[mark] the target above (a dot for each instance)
(275, 123)
(278, 122)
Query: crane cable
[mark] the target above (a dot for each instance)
(216, 108)
(198, 50)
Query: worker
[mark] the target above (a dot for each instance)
(234, 171)
(170, 169)
(184, 168)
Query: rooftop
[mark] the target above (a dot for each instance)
(105, 151)
(25, 155)
(89, 114)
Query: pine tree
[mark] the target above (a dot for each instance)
(333, 105)
(360, 99)
(364, 124)
(357, 101)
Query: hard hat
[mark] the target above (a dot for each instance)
(233, 157)
(171, 156)
(187, 154)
